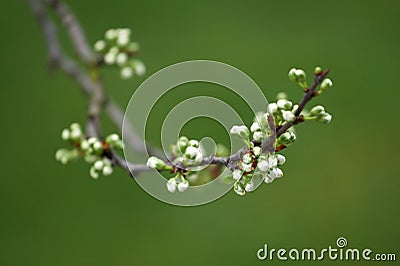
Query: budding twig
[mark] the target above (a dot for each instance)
(58, 59)
(310, 93)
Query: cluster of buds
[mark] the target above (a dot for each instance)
(103, 166)
(184, 153)
(92, 149)
(253, 162)
(268, 165)
(118, 49)
(187, 152)
(173, 183)
(178, 182)
(299, 76)
(318, 113)
(286, 138)
(282, 111)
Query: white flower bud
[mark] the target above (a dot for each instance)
(98, 165)
(171, 185)
(257, 151)
(65, 134)
(318, 109)
(240, 131)
(85, 145)
(247, 167)
(300, 75)
(237, 174)
(139, 67)
(326, 83)
(258, 136)
(317, 70)
(124, 31)
(268, 179)
(59, 154)
(126, 72)
(275, 173)
(199, 157)
(114, 50)
(249, 186)
(64, 159)
(247, 158)
(273, 108)
(107, 161)
(93, 173)
(287, 137)
(281, 159)
(193, 143)
(107, 170)
(183, 186)
(278, 172)
(155, 163)
(272, 161)
(191, 152)
(292, 74)
(255, 127)
(109, 58)
(99, 46)
(75, 126)
(288, 116)
(238, 189)
(75, 133)
(112, 138)
(288, 105)
(152, 162)
(123, 39)
(284, 104)
(97, 146)
(281, 103)
(183, 139)
(263, 165)
(121, 59)
(182, 144)
(111, 34)
(326, 118)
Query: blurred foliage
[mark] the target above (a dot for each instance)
(340, 180)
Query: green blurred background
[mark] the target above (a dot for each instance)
(340, 180)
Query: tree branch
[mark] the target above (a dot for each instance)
(90, 83)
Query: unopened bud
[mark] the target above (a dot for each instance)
(326, 83)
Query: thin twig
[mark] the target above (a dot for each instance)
(310, 93)
(75, 31)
